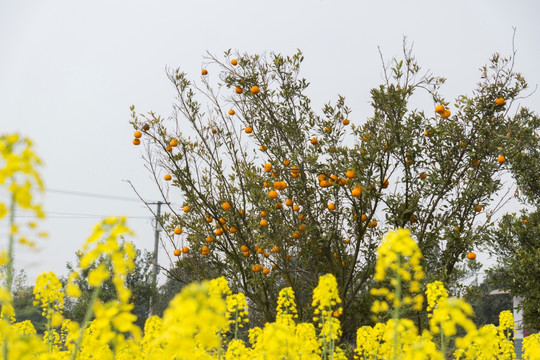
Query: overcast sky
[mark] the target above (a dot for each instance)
(69, 70)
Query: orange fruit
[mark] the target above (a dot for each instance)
(327, 129)
(314, 141)
(274, 266)
(266, 271)
(244, 248)
(446, 114)
(263, 222)
(264, 213)
(350, 174)
(249, 130)
(427, 132)
(478, 208)
(136, 141)
(525, 221)
(178, 230)
(222, 221)
(177, 252)
(208, 218)
(471, 255)
(279, 206)
(501, 159)
(219, 232)
(137, 134)
(173, 143)
(226, 206)
(214, 131)
(255, 90)
(275, 249)
(289, 202)
(231, 112)
(346, 122)
(273, 194)
(296, 234)
(146, 127)
(260, 251)
(246, 253)
(301, 217)
(475, 163)
(209, 239)
(296, 208)
(357, 191)
(167, 177)
(286, 162)
(204, 72)
(168, 148)
(373, 223)
(423, 176)
(238, 90)
(185, 249)
(263, 148)
(205, 250)
(347, 241)
(439, 109)
(364, 218)
(331, 206)
(234, 62)
(385, 183)
(233, 230)
(268, 167)
(257, 267)
(186, 208)
(500, 101)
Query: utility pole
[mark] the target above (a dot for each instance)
(155, 270)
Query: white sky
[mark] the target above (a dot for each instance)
(69, 71)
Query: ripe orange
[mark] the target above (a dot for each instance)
(331, 206)
(226, 206)
(500, 101)
(275, 249)
(146, 127)
(273, 194)
(278, 206)
(249, 130)
(427, 132)
(266, 271)
(327, 129)
(178, 230)
(263, 148)
(525, 221)
(475, 163)
(167, 177)
(238, 90)
(301, 217)
(364, 218)
(136, 141)
(204, 72)
(222, 221)
(186, 208)
(446, 114)
(185, 249)
(357, 191)
(314, 141)
(260, 251)
(244, 248)
(205, 250)
(346, 122)
(209, 239)
(296, 234)
(286, 162)
(347, 241)
(263, 222)
(268, 167)
(289, 202)
(168, 148)
(296, 208)
(231, 112)
(255, 90)
(302, 227)
(246, 253)
(501, 159)
(350, 174)
(264, 213)
(257, 267)
(423, 176)
(219, 232)
(173, 143)
(177, 252)
(214, 131)
(478, 208)
(439, 109)
(137, 134)
(373, 223)
(471, 256)
(385, 183)
(234, 62)
(233, 230)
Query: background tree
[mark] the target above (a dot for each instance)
(139, 282)
(274, 194)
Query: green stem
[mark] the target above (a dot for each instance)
(443, 344)
(87, 316)
(9, 277)
(397, 309)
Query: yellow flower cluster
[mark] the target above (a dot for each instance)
(47, 294)
(435, 293)
(286, 306)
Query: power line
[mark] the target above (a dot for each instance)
(74, 215)
(94, 195)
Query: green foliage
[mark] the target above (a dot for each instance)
(139, 282)
(416, 169)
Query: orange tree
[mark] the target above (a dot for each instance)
(273, 192)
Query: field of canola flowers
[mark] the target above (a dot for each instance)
(204, 320)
